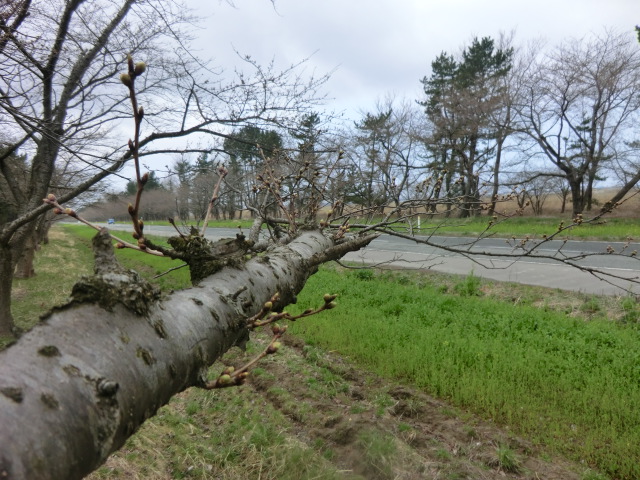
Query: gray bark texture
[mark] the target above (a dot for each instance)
(74, 388)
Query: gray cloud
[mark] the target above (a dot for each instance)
(386, 46)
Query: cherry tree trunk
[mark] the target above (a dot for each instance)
(24, 267)
(74, 388)
(6, 280)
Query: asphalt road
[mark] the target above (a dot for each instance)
(493, 258)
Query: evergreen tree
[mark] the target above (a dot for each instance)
(461, 98)
(152, 184)
(246, 149)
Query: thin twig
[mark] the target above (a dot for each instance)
(222, 172)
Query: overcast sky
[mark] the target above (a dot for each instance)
(381, 47)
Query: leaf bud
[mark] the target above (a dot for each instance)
(224, 380)
(57, 211)
(141, 112)
(145, 178)
(130, 209)
(329, 298)
(120, 245)
(274, 347)
(268, 306)
(70, 212)
(51, 198)
(228, 370)
(330, 305)
(125, 78)
(140, 68)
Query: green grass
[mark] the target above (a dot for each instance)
(147, 265)
(611, 229)
(217, 434)
(569, 384)
(212, 224)
(58, 265)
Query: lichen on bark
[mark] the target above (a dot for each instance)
(205, 257)
(112, 284)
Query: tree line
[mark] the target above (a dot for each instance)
(494, 119)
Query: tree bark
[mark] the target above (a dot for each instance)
(6, 280)
(74, 388)
(24, 266)
(577, 196)
(620, 194)
(10, 253)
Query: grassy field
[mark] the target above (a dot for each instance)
(611, 229)
(561, 370)
(535, 227)
(563, 382)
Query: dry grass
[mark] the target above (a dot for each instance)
(58, 265)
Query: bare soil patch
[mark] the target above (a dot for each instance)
(378, 429)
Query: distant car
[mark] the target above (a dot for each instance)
(111, 221)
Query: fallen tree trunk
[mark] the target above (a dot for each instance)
(74, 388)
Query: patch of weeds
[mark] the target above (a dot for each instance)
(443, 454)
(456, 475)
(449, 412)
(469, 287)
(404, 427)
(296, 463)
(321, 446)
(356, 409)
(311, 354)
(379, 450)
(364, 274)
(591, 306)
(470, 432)
(262, 373)
(192, 408)
(629, 306)
(334, 383)
(383, 401)
(279, 391)
(263, 436)
(593, 475)
(507, 460)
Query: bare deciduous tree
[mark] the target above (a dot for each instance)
(60, 93)
(581, 101)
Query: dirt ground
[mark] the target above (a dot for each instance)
(346, 412)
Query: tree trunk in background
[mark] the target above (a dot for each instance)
(24, 266)
(6, 280)
(10, 253)
(74, 388)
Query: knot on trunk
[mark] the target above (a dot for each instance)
(111, 283)
(205, 257)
